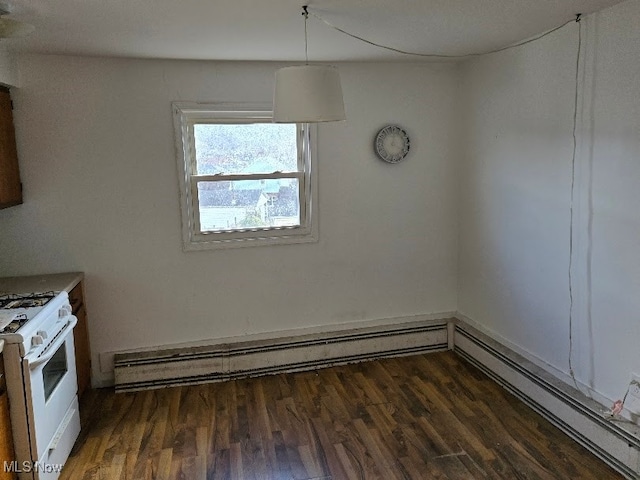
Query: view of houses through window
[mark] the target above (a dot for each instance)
(247, 176)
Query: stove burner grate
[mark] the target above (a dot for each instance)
(13, 324)
(25, 300)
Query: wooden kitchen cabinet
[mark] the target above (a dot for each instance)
(81, 339)
(10, 186)
(6, 440)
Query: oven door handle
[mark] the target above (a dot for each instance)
(53, 348)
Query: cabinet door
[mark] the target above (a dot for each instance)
(81, 339)
(10, 187)
(83, 354)
(6, 440)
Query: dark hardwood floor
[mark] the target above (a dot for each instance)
(422, 417)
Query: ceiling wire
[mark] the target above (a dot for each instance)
(437, 55)
(574, 132)
(577, 19)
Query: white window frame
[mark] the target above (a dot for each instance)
(185, 116)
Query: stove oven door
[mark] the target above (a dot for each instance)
(52, 404)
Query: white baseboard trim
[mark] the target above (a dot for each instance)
(565, 377)
(580, 417)
(560, 374)
(552, 369)
(185, 365)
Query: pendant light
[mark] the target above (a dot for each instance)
(307, 93)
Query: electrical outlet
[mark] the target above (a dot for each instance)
(632, 403)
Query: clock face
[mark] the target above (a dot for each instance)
(392, 144)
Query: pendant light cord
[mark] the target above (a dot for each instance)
(305, 14)
(571, 202)
(435, 55)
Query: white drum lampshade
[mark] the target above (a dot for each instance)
(308, 94)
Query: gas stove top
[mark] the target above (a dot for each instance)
(18, 309)
(25, 300)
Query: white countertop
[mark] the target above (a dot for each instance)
(40, 283)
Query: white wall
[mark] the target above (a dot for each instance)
(8, 69)
(95, 140)
(515, 203)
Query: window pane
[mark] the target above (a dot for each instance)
(249, 204)
(245, 148)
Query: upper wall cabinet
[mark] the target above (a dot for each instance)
(10, 186)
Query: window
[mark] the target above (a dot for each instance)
(244, 180)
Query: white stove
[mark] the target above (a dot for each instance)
(41, 381)
(29, 319)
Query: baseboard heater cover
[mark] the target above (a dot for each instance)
(166, 367)
(567, 408)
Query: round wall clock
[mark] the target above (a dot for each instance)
(392, 144)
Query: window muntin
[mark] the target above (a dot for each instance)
(244, 180)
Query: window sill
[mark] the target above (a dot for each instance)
(258, 241)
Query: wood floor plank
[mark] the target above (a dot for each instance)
(164, 464)
(296, 464)
(200, 468)
(352, 472)
(424, 417)
(310, 462)
(235, 462)
(377, 450)
(117, 466)
(325, 450)
(361, 457)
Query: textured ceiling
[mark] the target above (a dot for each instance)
(274, 29)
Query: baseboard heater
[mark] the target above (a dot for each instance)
(580, 417)
(164, 367)
(618, 444)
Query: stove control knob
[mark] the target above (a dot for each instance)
(37, 340)
(43, 334)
